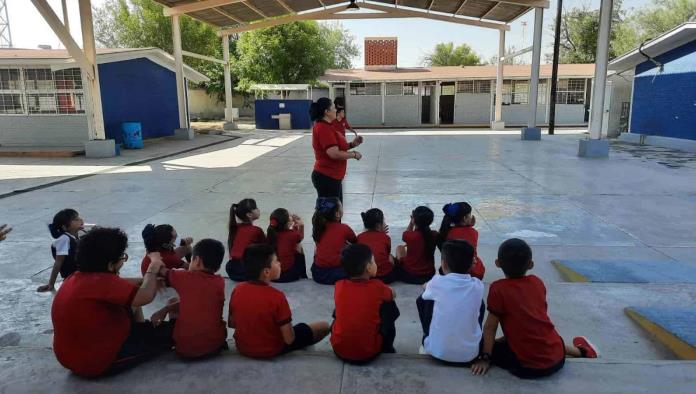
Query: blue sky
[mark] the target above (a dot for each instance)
(416, 36)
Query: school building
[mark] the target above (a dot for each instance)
(42, 97)
(382, 94)
(656, 97)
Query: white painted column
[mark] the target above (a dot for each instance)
(228, 78)
(437, 103)
(600, 75)
(179, 71)
(384, 93)
(91, 85)
(66, 22)
(498, 123)
(536, 60)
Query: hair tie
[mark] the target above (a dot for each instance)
(451, 210)
(325, 205)
(274, 222)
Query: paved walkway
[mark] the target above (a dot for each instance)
(626, 207)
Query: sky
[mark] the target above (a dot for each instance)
(416, 36)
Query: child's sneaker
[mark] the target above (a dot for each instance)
(587, 349)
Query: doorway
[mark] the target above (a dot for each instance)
(427, 102)
(447, 102)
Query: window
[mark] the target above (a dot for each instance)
(10, 91)
(474, 86)
(54, 92)
(570, 91)
(395, 89)
(520, 92)
(410, 88)
(366, 89)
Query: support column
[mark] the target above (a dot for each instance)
(184, 131)
(498, 123)
(437, 103)
(384, 93)
(97, 118)
(532, 132)
(229, 107)
(595, 146)
(66, 22)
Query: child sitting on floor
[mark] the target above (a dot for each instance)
(241, 235)
(365, 310)
(330, 236)
(531, 347)
(415, 261)
(64, 229)
(376, 237)
(285, 232)
(450, 307)
(162, 239)
(260, 314)
(200, 330)
(458, 223)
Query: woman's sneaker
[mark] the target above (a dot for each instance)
(587, 349)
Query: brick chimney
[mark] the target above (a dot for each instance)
(380, 53)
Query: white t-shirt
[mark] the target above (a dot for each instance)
(454, 330)
(62, 244)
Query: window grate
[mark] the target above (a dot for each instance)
(39, 90)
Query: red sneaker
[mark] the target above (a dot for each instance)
(587, 348)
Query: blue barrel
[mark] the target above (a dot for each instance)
(132, 135)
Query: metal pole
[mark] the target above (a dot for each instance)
(554, 68)
(228, 78)
(97, 131)
(536, 60)
(498, 118)
(600, 75)
(179, 71)
(66, 22)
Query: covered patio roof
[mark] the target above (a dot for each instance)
(234, 16)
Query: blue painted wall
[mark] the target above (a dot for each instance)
(138, 90)
(664, 103)
(299, 110)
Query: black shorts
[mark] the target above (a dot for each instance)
(404, 276)
(143, 342)
(328, 276)
(303, 338)
(327, 186)
(505, 358)
(296, 272)
(388, 278)
(235, 270)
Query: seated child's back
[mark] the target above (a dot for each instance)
(454, 333)
(199, 328)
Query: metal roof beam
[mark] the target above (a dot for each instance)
(256, 10)
(199, 6)
(409, 13)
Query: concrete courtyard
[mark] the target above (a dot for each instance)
(638, 205)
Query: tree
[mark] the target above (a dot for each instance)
(297, 52)
(341, 43)
(445, 54)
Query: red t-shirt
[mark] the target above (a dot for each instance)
(341, 125)
(246, 235)
(91, 321)
(286, 246)
(380, 244)
(170, 259)
(332, 241)
(470, 235)
(355, 331)
(520, 304)
(324, 136)
(417, 261)
(257, 311)
(199, 328)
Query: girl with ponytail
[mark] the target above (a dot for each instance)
(285, 232)
(376, 237)
(162, 238)
(416, 259)
(64, 229)
(331, 150)
(242, 234)
(458, 223)
(330, 236)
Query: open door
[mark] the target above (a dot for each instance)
(447, 102)
(427, 101)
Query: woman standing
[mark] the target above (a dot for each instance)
(331, 150)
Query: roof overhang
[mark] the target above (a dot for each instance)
(235, 16)
(280, 86)
(155, 55)
(680, 35)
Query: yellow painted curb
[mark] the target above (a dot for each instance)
(682, 349)
(569, 274)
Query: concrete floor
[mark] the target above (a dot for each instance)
(631, 206)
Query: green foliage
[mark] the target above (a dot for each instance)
(297, 52)
(653, 21)
(341, 43)
(446, 54)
